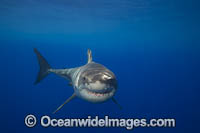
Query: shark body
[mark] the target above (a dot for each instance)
(92, 82)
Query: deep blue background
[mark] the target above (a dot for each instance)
(151, 45)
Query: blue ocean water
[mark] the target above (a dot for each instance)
(151, 45)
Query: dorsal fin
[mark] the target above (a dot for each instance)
(89, 52)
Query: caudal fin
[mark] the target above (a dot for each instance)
(44, 67)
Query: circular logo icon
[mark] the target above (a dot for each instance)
(30, 121)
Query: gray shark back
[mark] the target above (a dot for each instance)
(74, 75)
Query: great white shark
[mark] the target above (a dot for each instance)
(92, 82)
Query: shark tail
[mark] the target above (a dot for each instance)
(44, 67)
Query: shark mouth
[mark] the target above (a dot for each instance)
(99, 93)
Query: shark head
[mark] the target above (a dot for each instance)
(96, 84)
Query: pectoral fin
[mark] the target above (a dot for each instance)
(69, 99)
(113, 99)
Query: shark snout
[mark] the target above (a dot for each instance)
(103, 86)
(110, 82)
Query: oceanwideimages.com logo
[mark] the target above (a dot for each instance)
(47, 121)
